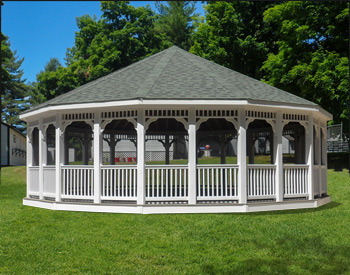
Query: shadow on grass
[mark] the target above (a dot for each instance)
(290, 254)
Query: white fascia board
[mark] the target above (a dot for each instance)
(130, 103)
(156, 103)
(301, 109)
(80, 106)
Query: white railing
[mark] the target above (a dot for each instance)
(295, 179)
(323, 179)
(33, 181)
(166, 182)
(261, 180)
(119, 182)
(78, 181)
(49, 181)
(217, 181)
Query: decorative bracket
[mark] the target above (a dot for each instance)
(248, 121)
(305, 124)
(234, 121)
(183, 121)
(148, 122)
(43, 131)
(29, 134)
(105, 122)
(133, 121)
(200, 121)
(272, 122)
(91, 123)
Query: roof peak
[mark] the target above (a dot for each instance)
(174, 74)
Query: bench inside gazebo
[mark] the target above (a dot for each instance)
(139, 139)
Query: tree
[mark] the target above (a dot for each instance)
(175, 22)
(13, 89)
(123, 35)
(232, 34)
(40, 91)
(52, 65)
(312, 56)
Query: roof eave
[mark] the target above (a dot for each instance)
(162, 101)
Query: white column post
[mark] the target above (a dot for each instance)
(97, 157)
(242, 157)
(192, 153)
(277, 145)
(141, 176)
(319, 160)
(324, 157)
(41, 168)
(29, 156)
(309, 154)
(58, 156)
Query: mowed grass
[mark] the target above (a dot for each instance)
(40, 241)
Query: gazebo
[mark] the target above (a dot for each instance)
(181, 102)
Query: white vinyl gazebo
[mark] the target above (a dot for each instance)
(181, 101)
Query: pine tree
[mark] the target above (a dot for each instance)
(175, 21)
(13, 89)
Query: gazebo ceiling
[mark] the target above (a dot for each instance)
(175, 74)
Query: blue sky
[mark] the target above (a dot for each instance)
(39, 30)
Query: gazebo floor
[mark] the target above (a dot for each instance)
(176, 208)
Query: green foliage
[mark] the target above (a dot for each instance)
(300, 47)
(13, 89)
(175, 22)
(305, 241)
(232, 34)
(312, 56)
(123, 35)
(41, 90)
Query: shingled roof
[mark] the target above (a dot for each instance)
(175, 74)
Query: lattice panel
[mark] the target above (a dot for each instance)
(157, 155)
(149, 155)
(119, 114)
(162, 137)
(123, 156)
(166, 113)
(216, 113)
(78, 116)
(260, 114)
(295, 117)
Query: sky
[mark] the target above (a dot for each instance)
(39, 30)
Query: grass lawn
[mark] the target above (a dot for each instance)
(39, 241)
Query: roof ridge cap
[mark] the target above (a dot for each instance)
(154, 74)
(221, 80)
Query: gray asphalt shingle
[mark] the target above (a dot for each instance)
(174, 74)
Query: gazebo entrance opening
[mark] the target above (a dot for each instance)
(294, 151)
(217, 168)
(260, 142)
(166, 142)
(77, 168)
(216, 142)
(78, 139)
(166, 158)
(119, 143)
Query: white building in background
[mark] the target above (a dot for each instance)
(13, 146)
